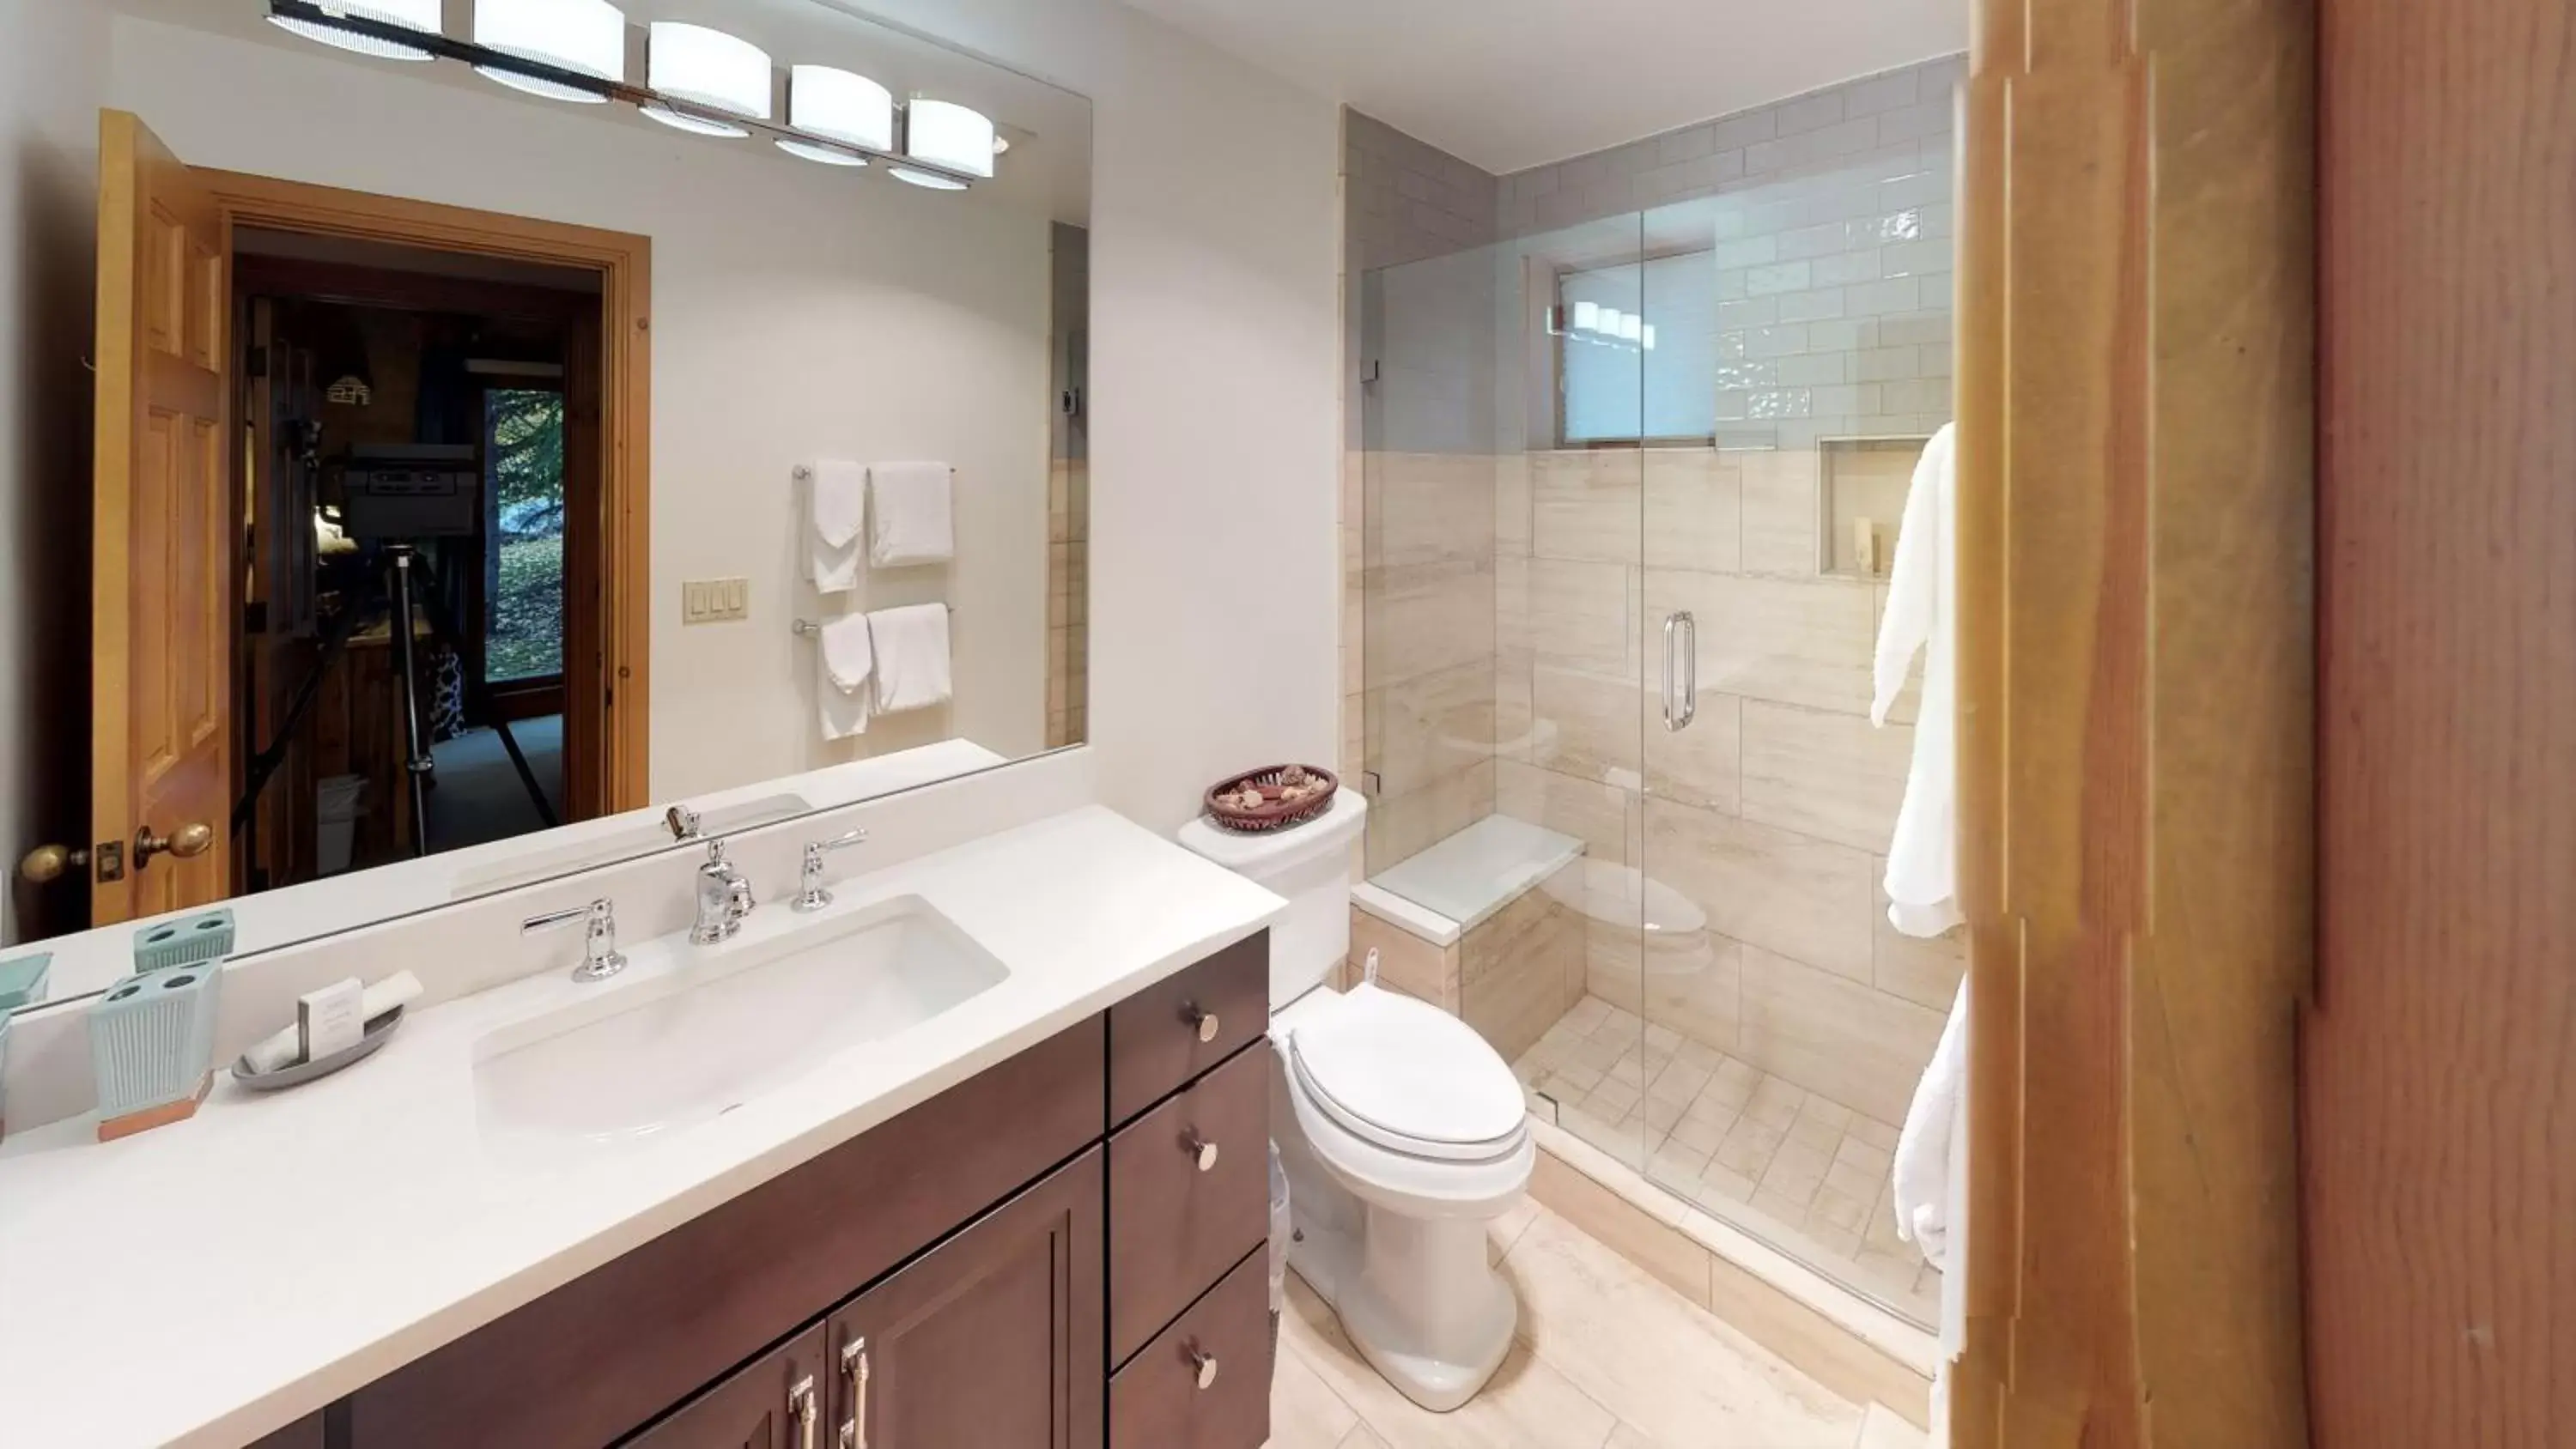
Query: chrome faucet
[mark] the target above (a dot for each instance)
(682, 822)
(810, 895)
(600, 958)
(724, 898)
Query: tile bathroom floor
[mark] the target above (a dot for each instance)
(1606, 1357)
(1801, 1172)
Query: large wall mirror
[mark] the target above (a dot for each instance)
(465, 442)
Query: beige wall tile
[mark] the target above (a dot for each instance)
(1427, 617)
(1518, 971)
(1599, 815)
(1780, 512)
(1399, 826)
(1777, 639)
(1431, 726)
(1823, 773)
(1700, 765)
(1925, 972)
(1585, 505)
(1841, 1038)
(1569, 613)
(1584, 724)
(1692, 509)
(1405, 961)
(1512, 504)
(1432, 508)
(1512, 735)
(1769, 887)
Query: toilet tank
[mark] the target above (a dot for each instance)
(1309, 865)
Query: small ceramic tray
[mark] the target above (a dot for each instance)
(302, 1072)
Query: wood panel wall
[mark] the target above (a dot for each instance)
(2439, 1066)
(2136, 715)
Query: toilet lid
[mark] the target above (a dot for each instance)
(1409, 1076)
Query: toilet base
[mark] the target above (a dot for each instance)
(1418, 1298)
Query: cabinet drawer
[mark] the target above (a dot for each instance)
(1205, 1383)
(1179, 1027)
(1189, 1195)
(774, 1402)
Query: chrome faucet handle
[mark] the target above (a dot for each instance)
(724, 898)
(682, 822)
(600, 958)
(810, 895)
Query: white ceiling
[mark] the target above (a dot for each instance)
(1511, 84)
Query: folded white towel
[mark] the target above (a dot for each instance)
(908, 514)
(846, 659)
(1930, 1184)
(912, 656)
(836, 504)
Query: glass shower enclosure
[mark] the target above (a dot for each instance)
(1631, 491)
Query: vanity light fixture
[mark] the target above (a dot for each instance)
(837, 105)
(948, 136)
(1587, 316)
(1631, 327)
(928, 180)
(1648, 340)
(708, 69)
(582, 38)
(420, 16)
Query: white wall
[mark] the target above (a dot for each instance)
(1215, 250)
(53, 70)
(797, 313)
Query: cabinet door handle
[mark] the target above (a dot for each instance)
(1202, 1365)
(800, 1403)
(854, 1367)
(1202, 1152)
(1203, 1022)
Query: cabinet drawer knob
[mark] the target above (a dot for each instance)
(1201, 1151)
(1202, 1364)
(1203, 1022)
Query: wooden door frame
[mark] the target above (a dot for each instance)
(2136, 716)
(624, 263)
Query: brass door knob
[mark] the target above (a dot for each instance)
(48, 863)
(187, 843)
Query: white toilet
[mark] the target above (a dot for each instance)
(1402, 1131)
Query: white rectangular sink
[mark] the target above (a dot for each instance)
(571, 848)
(648, 1058)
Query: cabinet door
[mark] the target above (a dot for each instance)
(992, 1339)
(779, 1401)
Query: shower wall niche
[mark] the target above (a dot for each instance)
(1614, 647)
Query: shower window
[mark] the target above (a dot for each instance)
(1637, 351)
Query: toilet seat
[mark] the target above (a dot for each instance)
(1408, 1078)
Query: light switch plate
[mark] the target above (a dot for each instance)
(714, 601)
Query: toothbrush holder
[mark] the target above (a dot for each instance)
(184, 940)
(152, 1047)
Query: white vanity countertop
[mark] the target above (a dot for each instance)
(210, 1281)
(91, 961)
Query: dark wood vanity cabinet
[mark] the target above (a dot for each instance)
(1065, 1252)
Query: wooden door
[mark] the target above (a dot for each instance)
(161, 582)
(777, 1401)
(993, 1339)
(2438, 1066)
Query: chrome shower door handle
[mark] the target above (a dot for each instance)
(1690, 668)
(1681, 676)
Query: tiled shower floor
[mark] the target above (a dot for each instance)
(1806, 1174)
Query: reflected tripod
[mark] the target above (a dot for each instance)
(408, 592)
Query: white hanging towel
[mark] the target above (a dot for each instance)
(912, 657)
(1930, 1183)
(845, 658)
(836, 500)
(908, 516)
(1922, 608)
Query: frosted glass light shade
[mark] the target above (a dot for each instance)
(711, 69)
(924, 179)
(1587, 316)
(838, 106)
(586, 37)
(1631, 327)
(1609, 324)
(950, 136)
(1649, 338)
(420, 15)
